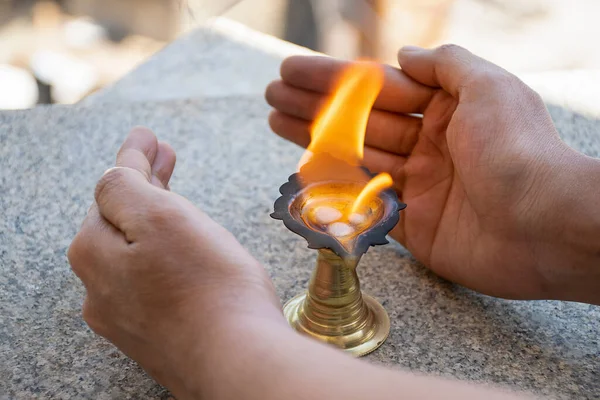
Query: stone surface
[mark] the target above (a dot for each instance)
(50, 159)
(228, 59)
(222, 59)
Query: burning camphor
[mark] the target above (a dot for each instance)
(339, 130)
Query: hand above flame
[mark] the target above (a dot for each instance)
(486, 178)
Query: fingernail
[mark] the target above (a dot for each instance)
(406, 49)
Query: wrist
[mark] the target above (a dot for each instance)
(572, 265)
(204, 351)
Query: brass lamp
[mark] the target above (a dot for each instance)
(333, 309)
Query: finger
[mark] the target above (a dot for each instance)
(125, 198)
(296, 102)
(393, 133)
(96, 240)
(163, 165)
(139, 151)
(319, 74)
(294, 129)
(386, 131)
(381, 161)
(454, 69)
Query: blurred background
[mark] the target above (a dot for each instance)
(59, 51)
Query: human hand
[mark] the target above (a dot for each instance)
(162, 278)
(496, 201)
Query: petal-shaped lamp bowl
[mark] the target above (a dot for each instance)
(294, 196)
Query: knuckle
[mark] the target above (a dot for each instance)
(450, 50)
(111, 182)
(73, 253)
(490, 77)
(156, 215)
(158, 212)
(531, 95)
(91, 318)
(161, 215)
(78, 253)
(275, 121)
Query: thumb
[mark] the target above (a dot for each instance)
(452, 68)
(125, 193)
(139, 151)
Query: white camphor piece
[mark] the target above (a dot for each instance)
(325, 215)
(357, 219)
(340, 229)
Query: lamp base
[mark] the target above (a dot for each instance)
(357, 336)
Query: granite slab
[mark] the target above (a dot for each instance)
(50, 159)
(225, 58)
(222, 58)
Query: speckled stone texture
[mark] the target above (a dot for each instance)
(223, 58)
(231, 166)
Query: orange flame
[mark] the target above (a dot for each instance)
(379, 183)
(340, 127)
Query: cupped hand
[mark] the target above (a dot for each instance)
(163, 280)
(474, 154)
